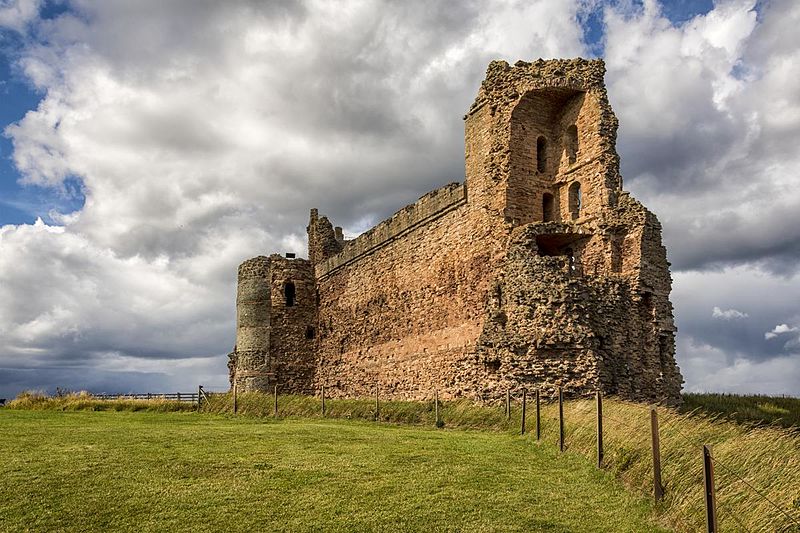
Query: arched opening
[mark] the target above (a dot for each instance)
(575, 200)
(541, 154)
(289, 293)
(548, 214)
(572, 143)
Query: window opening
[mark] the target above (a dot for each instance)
(289, 293)
(575, 200)
(572, 143)
(547, 207)
(310, 332)
(541, 154)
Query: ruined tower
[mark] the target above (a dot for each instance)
(537, 271)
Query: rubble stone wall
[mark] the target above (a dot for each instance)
(538, 271)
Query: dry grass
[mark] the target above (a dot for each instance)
(83, 401)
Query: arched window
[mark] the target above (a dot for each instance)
(572, 143)
(289, 293)
(575, 200)
(541, 154)
(547, 207)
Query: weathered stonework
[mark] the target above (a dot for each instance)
(537, 271)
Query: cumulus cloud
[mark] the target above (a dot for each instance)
(201, 135)
(728, 314)
(710, 110)
(17, 14)
(780, 329)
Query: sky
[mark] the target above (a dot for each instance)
(149, 147)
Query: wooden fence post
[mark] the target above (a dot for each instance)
(199, 392)
(658, 489)
(599, 430)
(323, 400)
(179, 396)
(538, 416)
(561, 419)
(710, 494)
(275, 410)
(524, 409)
(508, 404)
(436, 406)
(377, 403)
(235, 402)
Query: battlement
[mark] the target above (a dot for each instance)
(537, 271)
(429, 207)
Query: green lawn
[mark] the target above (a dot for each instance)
(99, 471)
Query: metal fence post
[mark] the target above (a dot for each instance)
(508, 404)
(235, 399)
(710, 494)
(323, 400)
(524, 408)
(275, 411)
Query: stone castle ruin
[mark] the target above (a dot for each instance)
(537, 271)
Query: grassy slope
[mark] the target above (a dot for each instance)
(784, 411)
(183, 471)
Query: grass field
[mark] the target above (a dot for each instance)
(142, 471)
(755, 409)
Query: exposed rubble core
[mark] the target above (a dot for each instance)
(537, 271)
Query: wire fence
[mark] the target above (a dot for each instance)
(624, 437)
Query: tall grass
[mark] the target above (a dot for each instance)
(755, 409)
(753, 464)
(84, 401)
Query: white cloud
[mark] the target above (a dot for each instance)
(204, 132)
(728, 314)
(709, 369)
(780, 329)
(202, 135)
(17, 14)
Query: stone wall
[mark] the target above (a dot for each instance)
(538, 271)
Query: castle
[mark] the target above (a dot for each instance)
(537, 271)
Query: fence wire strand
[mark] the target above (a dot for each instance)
(754, 489)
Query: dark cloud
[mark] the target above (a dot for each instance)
(202, 132)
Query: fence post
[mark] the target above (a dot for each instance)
(658, 489)
(179, 396)
(710, 494)
(436, 406)
(538, 417)
(199, 392)
(323, 400)
(561, 419)
(275, 410)
(599, 430)
(235, 402)
(524, 409)
(377, 403)
(148, 396)
(508, 404)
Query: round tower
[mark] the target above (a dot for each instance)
(250, 358)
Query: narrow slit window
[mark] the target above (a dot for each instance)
(289, 293)
(541, 154)
(547, 207)
(575, 200)
(572, 144)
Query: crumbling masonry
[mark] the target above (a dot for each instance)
(537, 271)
